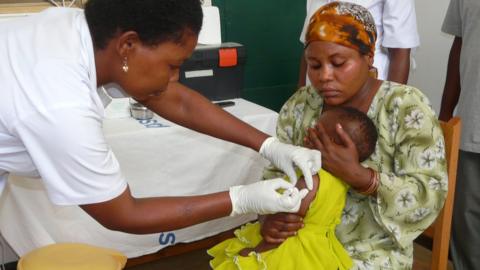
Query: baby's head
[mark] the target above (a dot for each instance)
(356, 124)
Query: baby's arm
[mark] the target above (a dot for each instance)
(310, 196)
(264, 246)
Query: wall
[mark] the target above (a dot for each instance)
(270, 32)
(432, 56)
(270, 35)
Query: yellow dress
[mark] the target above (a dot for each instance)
(314, 247)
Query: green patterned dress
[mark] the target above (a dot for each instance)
(378, 232)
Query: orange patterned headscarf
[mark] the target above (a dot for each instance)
(347, 24)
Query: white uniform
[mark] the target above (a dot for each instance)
(396, 24)
(50, 112)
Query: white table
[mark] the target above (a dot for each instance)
(157, 161)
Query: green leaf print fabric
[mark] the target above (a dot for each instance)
(378, 231)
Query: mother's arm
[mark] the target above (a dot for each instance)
(412, 172)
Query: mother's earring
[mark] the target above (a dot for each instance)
(125, 65)
(373, 72)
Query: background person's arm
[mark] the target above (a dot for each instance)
(400, 34)
(399, 66)
(452, 88)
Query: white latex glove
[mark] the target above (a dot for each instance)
(263, 198)
(285, 156)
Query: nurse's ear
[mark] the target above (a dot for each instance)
(127, 42)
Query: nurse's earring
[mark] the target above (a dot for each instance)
(125, 65)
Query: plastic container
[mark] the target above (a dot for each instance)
(140, 112)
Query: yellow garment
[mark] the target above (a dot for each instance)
(72, 256)
(314, 247)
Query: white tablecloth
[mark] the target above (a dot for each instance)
(160, 160)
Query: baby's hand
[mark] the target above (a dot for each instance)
(278, 227)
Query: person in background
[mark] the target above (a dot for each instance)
(397, 34)
(378, 227)
(51, 112)
(462, 90)
(315, 246)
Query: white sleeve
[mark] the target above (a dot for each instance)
(400, 24)
(62, 132)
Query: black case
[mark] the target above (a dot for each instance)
(213, 71)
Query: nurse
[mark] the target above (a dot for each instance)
(51, 113)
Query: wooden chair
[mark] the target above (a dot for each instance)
(439, 231)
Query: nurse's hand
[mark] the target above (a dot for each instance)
(285, 156)
(263, 197)
(278, 227)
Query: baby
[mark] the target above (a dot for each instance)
(315, 246)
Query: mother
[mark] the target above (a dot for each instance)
(397, 192)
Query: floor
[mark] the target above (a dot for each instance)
(198, 260)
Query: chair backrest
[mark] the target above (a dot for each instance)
(439, 231)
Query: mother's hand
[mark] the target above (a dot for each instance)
(278, 227)
(340, 159)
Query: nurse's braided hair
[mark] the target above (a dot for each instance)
(155, 21)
